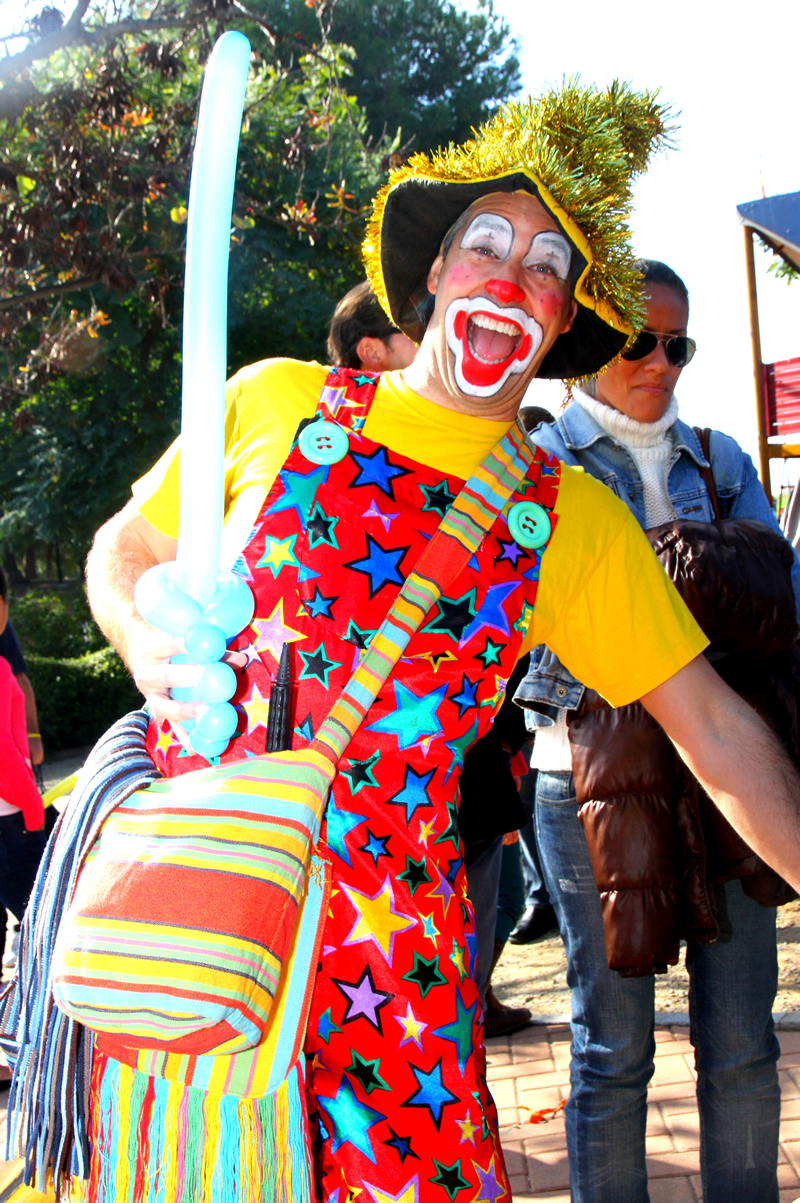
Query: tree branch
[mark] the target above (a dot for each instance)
(38, 294)
(74, 32)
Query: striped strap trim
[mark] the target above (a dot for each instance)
(459, 535)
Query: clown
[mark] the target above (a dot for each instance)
(503, 258)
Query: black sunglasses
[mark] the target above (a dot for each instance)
(679, 348)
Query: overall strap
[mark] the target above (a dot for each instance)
(460, 533)
(347, 396)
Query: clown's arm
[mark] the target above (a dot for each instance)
(123, 549)
(737, 760)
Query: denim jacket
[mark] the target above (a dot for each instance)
(577, 439)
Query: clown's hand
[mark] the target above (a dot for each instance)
(149, 656)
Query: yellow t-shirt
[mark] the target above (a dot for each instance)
(604, 605)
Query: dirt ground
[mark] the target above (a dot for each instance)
(535, 975)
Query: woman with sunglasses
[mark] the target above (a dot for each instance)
(624, 429)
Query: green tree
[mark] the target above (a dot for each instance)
(95, 181)
(96, 128)
(426, 66)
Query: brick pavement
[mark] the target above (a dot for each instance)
(531, 1069)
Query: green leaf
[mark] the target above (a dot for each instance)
(25, 184)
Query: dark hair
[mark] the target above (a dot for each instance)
(358, 315)
(655, 272)
(532, 416)
(3, 586)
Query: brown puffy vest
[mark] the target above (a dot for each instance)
(657, 843)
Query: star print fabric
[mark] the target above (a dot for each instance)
(398, 1103)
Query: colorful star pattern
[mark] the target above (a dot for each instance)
(413, 717)
(380, 565)
(272, 633)
(431, 1092)
(412, 1028)
(278, 553)
(376, 846)
(465, 698)
(166, 739)
(437, 498)
(350, 1120)
(385, 519)
(375, 469)
(341, 823)
(414, 793)
(491, 653)
(359, 773)
(409, 1193)
(299, 489)
(256, 708)
(459, 1031)
(378, 919)
(401, 1146)
(491, 615)
(317, 665)
(450, 1178)
(393, 982)
(490, 1189)
(363, 1000)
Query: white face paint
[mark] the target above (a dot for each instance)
(489, 343)
(552, 250)
(489, 232)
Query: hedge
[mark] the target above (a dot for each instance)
(55, 622)
(78, 699)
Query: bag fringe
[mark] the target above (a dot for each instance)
(156, 1141)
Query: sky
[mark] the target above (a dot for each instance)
(733, 78)
(731, 74)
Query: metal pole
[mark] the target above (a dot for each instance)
(758, 367)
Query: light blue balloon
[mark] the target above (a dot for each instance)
(205, 315)
(216, 722)
(161, 603)
(217, 683)
(232, 605)
(205, 643)
(208, 749)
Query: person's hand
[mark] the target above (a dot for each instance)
(149, 653)
(35, 749)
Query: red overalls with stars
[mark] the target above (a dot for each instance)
(399, 1107)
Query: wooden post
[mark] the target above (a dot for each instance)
(758, 367)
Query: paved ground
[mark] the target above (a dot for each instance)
(530, 1070)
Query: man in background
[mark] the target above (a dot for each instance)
(361, 335)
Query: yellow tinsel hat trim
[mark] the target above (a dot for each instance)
(581, 148)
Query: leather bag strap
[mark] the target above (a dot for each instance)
(460, 533)
(704, 435)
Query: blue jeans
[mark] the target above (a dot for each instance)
(535, 890)
(732, 989)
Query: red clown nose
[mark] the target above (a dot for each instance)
(505, 292)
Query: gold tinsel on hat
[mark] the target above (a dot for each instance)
(586, 145)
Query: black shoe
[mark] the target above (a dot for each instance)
(535, 924)
(501, 1020)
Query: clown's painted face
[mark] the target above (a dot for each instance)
(504, 291)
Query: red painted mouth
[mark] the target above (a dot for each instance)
(489, 345)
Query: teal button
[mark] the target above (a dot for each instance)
(323, 443)
(529, 524)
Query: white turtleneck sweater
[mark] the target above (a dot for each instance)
(650, 449)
